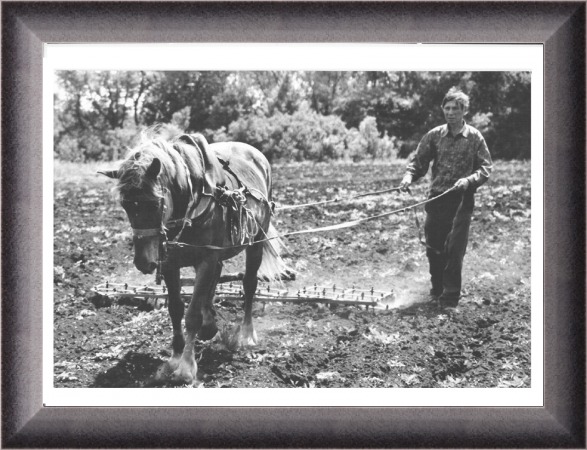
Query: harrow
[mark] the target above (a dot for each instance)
(231, 289)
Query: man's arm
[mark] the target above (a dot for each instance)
(419, 162)
(484, 166)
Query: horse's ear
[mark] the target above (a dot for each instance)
(109, 173)
(154, 169)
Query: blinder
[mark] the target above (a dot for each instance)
(141, 233)
(156, 211)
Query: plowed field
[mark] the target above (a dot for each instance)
(485, 342)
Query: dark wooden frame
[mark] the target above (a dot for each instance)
(559, 26)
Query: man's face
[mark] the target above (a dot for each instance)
(453, 113)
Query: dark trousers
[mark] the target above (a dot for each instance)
(447, 232)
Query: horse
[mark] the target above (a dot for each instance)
(191, 203)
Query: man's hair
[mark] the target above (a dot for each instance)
(455, 94)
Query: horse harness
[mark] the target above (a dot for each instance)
(241, 225)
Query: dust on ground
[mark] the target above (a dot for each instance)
(485, 342)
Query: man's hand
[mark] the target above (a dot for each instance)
(462, 184)
(404, 185)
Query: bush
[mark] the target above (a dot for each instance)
(116, 143)
(482, 121)
(302, 136)
(366, 142)
(181, 119)
(376, 146)
(87, 146)
(307, 135)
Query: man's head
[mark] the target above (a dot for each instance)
(456, 95)
(455, 105)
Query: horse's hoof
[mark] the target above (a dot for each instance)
(207, 332)
(173, 362)
(248, 336)
(165, 370)
(186, 373)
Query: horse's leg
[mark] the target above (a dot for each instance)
(254, 255)
(198, 317)
(176, 309)
(208, 329)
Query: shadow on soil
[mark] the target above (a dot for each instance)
(134, 370)
(141, 370)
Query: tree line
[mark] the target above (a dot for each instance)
(287, 115)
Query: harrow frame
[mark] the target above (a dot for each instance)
(230, 288)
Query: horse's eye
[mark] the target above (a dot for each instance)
(130, 205)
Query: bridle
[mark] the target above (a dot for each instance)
(161, 231)
(220, 196)
(141, 233)
(167, 225)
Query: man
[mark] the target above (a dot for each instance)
(461, 161)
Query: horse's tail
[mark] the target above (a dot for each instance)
(273, 267)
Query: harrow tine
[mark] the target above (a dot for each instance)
(264, 293)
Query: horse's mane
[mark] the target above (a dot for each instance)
(154, 143)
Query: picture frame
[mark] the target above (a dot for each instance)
(560, 27)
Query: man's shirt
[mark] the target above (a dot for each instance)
(462, 156)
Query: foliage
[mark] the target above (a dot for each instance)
(307, 135)
(289, 115)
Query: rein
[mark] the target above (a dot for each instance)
(235, 201)
(337, 199)
(340, 226)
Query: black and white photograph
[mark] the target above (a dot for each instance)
(293, 224)
(292, 229)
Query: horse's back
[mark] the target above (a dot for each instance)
(247, 162)
(241, 151)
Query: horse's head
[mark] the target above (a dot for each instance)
(143, 199)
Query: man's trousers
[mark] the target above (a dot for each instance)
(447, 231)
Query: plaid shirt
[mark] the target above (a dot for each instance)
(453, 157)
